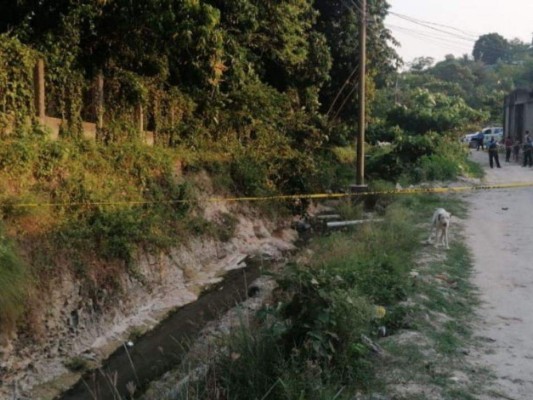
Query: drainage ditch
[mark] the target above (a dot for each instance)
(159, 350)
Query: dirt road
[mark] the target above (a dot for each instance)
(499, 232)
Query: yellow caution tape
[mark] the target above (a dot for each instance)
(285, 197)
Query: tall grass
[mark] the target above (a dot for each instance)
(83, 208)
(14, 284)
(311, 345)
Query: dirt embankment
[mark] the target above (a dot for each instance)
(78, 328)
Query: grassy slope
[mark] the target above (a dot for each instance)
(311, 344)
(83, 208)
(427, 359)
(329, 302)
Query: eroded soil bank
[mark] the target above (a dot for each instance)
(136, 364)
(78, 328)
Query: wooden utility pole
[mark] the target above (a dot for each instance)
(360, 170)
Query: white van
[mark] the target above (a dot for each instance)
(495, 132)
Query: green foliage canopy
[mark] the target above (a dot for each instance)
(490, 48)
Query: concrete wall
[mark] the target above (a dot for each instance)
(518, 111)
(528, 123)
(89, 130)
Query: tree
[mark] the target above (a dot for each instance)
(519, 50)
(339, 21)
(451, 70)
(491, 48)
(421, 63)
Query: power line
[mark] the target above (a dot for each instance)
(350, 94)
(433, 35)
(358, 7)
(345, 4)
(434, 42)
(462, 31)
(451, 42)
(430, 26)
(425, 36)
(342, 89)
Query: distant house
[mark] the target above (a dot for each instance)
(518, 113)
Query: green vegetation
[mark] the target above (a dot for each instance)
(87, 208)
(259, 95)
(432, 358)
(14, 283)
(311, 342)
(315, 340)
(77, 364)
(16, 93)
(237, 88)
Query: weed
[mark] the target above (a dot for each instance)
(135, 333)
(436, 167)
(310, 345)
(439, 317)
(378, 201)
(249, 176)
(476, 170)
(77, 364)
(225, 227)
(251, 364)
(14, 284)
(348, 210)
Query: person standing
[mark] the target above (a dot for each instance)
(480, 140)
(508, 148)
(528, 152)
(516, 150)
(493, 153)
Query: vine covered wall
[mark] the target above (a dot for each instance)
(17, 62)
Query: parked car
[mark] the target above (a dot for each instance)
(490, 132)
(471, 136)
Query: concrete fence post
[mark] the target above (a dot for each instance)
(139, 115)
(157, 117)
(38, 83)
(172, 116)
(99, 104)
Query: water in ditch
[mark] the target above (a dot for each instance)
(162, 348)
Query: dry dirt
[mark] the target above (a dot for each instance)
(499, 232)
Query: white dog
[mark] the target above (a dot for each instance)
(440, 224)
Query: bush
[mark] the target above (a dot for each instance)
(17, 155)
(249, 368)
(326, 317)
(14, 284)
(16, 80)
(311, 342)
(421, 157)
(249, 176)
(378, 201)
(381, 132)
(436, 168)
(77, 364)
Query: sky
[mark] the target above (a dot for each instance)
(462, 20)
